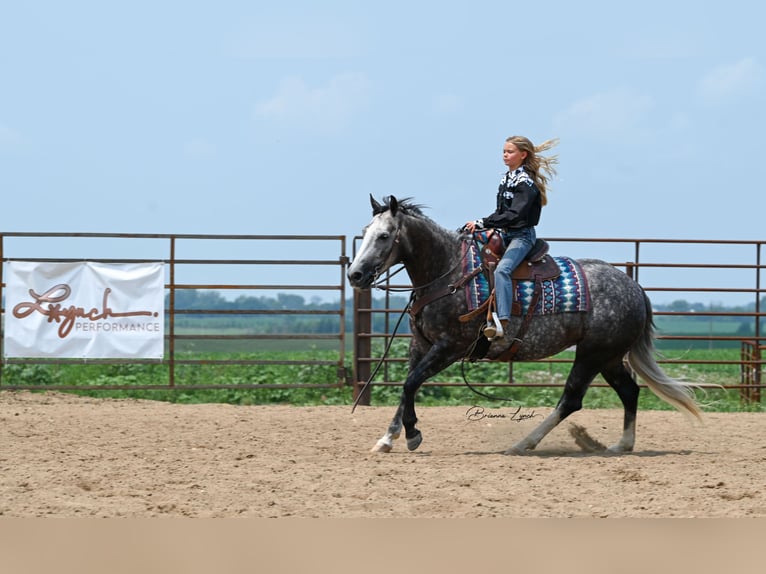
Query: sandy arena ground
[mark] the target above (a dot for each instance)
(66, 456)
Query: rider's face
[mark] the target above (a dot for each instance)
(512, 156)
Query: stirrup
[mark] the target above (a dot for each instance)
(494, 328)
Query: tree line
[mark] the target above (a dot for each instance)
(297, 314)
(293, 305)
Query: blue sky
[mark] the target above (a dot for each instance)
(282, 117)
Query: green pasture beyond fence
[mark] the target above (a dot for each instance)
(252, 312)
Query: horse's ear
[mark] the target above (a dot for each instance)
(393, 205)
(376, 207)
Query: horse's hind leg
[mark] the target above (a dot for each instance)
(579, 379)
(621, 380)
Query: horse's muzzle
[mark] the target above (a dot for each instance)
(361, 279)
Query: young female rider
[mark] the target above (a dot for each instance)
(520, 197)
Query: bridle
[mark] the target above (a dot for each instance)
(382, 285)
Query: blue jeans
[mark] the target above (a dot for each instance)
(519, 244)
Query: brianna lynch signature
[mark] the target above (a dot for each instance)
(477, 413)
(67, 315)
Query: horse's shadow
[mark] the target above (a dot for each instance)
(561, 453)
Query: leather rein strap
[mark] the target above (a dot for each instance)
(419, 303)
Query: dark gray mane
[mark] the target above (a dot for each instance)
(406, 205)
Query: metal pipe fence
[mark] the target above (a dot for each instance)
(200, 337)
(203, 336)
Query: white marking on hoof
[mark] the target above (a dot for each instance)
(382, 445)
(626, 442)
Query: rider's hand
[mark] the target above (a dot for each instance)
(472, 226)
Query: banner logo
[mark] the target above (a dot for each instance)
(92, 310)
(68, 315)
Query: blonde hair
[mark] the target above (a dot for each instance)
(539, 167)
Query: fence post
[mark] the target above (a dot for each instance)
(750, 372)
(362, 343)
(756, 394)
(172, 323)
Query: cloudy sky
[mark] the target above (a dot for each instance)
(282, 117)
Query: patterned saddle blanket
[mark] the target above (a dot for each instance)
(567, 293)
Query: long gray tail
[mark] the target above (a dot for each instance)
(641, 359)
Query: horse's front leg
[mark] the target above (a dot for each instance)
(404, 416)
(409, 418)
(386, 442)
(434, 361)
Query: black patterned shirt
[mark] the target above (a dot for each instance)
(519, 202)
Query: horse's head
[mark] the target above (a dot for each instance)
(379, 249)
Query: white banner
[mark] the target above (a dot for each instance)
(84, 310)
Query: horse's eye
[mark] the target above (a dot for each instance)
(384, 236)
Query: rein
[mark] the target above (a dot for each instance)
(417, 305)
(381, 284)
(414, 306)
(385, 354)
(465, 379)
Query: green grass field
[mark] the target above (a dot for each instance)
(318, 383)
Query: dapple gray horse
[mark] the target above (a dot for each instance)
(618, 323)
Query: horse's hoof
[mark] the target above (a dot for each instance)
(516, 450)
(414, 442)
(382, 446)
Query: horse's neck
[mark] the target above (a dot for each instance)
(431, 251)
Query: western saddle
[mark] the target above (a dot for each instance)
(537, 266)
